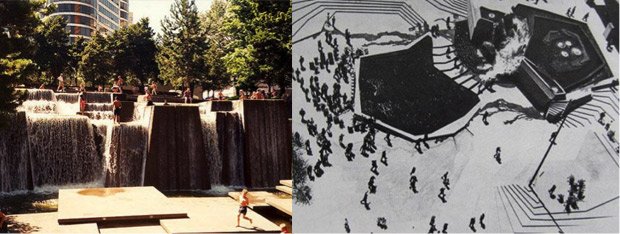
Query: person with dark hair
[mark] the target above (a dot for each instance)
(373, 167)
(412, 182)
(446, 181)
(348, 152)
(442, 195)
(346, 226)
(371, 185)
(497, 155)
(384, 158)
(472, 222)
(187, 95)
(244, 202)
(365, 202)
(445, 228)
(387, 140)
(482, 221)
(432, 224)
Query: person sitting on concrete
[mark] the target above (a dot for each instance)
(187, 96)
(244, 202)
(117, 110)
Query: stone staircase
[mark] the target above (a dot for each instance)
(460, 75)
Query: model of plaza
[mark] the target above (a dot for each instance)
(446, 116)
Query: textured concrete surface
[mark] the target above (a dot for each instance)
(283, 204)
(288, 183)
(114, 204)
(267, 142)
(215, 215)
(46, 223)
(175, 158)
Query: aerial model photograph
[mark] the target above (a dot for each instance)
(459, 116)
(145, 116)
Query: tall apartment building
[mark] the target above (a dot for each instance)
(86, 17)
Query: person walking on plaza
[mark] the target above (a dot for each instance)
(117, 110)
(61, 83)
(244, 202)
(585, 17)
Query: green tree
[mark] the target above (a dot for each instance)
(75, 56)
(96, 63)
(183, 45)
(212, 21)
(18, 21)
(133, 49)
(52, 54)
(260, 50)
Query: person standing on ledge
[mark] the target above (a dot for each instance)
(117, 110)
(187, 95)
(244, 202)
(61, 84)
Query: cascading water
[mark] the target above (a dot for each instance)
(222, 135)
(62, 150)
(14, 154)
(127, 155)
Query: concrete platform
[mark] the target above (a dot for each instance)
(288, 183)
(114, 204)
(217, 215)
(138, 229)
(46, 223)
(283, 204)
(285, 189)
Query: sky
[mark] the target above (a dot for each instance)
(155, 10)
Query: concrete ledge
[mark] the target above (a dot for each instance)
(285, 189)
(283, 204)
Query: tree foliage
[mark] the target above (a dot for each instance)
(18, 23)
(212, 21)
(52, 53)
(260, 50)
(183, 46)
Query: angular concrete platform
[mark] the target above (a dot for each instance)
(283, 204)
(115, 204)
(216, 215)
(285, 189)
(288, 183)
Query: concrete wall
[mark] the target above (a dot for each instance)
(175, 155)
(14, 164)
(127, 154)
(267, 142)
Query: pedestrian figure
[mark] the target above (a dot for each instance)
(317, 169)
(472, 222)
(412, 182)
(448, 50)
(585, 17)
(387, 140)
(424, 141)
(442, 195)
(308, 148)
(445, 228)
(373, 168)
(301, 63)
(347, 37)
(601, 118)
(572, 12)
(365, 202)
(485, 115)
(552, 138)
(446, 181)
(309, 172)
(371, 185)
(382, 223)
(418, 147)
(348, 152)
(482, 225)
(412, 171)
(568, 12)
(581, 186)
(561, 198)
(346, 226)
(244, 202)
(551, 191)
(607, 126)
(497, 155)
(448, 23)
(432, 224)
(384, 158)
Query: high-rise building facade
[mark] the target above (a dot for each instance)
(86, 17)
